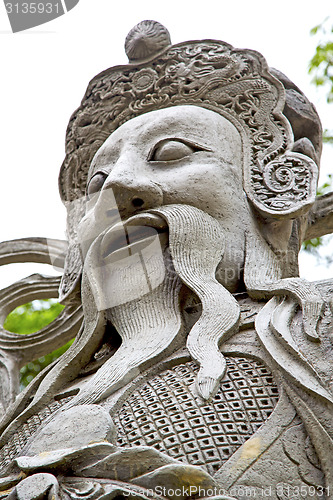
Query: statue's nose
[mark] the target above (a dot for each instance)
(126, 195)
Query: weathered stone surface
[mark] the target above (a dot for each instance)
(79, 426)
(203, 366)
(37, 487)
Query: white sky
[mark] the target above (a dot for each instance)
(45, 71)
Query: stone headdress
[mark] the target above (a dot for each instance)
(235, 83)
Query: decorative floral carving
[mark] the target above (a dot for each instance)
(144, 79)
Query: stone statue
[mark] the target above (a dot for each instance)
(202, 364)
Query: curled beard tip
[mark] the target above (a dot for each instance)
(312, 312)
(207, 387)
(310, 325)
(208, 383)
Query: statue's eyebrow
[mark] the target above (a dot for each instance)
(195, 145)
(185, 140)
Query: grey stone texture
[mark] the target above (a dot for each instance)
(202, 365)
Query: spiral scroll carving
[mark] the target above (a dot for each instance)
(284, 183)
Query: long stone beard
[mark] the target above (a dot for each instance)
(150, 326)
(196, 243)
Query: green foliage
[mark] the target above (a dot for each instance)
(327, 137)
(321, 64)
(326, 187)
(30, 318)
(312, 245)
(33, 316)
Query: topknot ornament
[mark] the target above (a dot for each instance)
(146, 40)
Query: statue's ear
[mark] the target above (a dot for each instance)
(69, 288)
(283, 188)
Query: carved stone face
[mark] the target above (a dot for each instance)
(181, 155)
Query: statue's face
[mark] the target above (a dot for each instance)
(184, 154)
(180, 155)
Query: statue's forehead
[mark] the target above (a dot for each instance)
(189, 121)
(198, 125)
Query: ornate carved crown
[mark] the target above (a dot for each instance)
(212, 74)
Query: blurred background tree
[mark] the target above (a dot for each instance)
(321, 69)
(321, 64)
(29, 318)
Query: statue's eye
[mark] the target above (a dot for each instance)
(172, 149)
(96, 183)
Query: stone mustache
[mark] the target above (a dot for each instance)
(201, 366)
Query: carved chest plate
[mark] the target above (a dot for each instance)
(165, 414)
